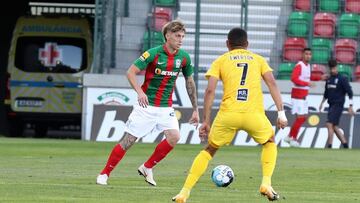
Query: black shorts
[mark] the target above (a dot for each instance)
(334, 114)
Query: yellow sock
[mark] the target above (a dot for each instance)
(198, 168)
(268, 161)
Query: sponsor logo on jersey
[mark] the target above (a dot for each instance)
(144, 56)
(158, 71)
(330, 86)
(242, 94)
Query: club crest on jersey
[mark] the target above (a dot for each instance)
(177, 63)
(158, 71)
(242, 94)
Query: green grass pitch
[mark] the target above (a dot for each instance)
(50, 170)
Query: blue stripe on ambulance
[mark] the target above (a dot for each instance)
(18, 83)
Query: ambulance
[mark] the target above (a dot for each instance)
(47, 59)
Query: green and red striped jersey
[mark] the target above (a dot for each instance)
(162, 70)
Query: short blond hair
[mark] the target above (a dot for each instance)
(173, 26)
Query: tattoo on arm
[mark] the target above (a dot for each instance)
(191, 90)
(127, 141)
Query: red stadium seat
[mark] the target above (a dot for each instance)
(324, 25)
(293, 48)
(357, 73)
(302, 5)
(317, 72)
(352, 6)
(345, 51)
(161, 17)
(163, 10)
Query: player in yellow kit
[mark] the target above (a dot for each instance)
(242, 108)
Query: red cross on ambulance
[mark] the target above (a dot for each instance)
(51, 55)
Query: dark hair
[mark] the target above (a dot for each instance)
(237, 37)
(306, 49)
(332, 63)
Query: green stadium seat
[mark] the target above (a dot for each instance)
(165, 2)
(329, 6)
(285, 70)
(349, 25)
(345, 70)
(321, 50)
(298, 24)
(152, 39)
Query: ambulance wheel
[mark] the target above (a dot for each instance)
(40, 130)
(16, 128)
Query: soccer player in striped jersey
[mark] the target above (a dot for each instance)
(154, 111)
(242, 108)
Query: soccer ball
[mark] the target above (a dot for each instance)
(222, 175)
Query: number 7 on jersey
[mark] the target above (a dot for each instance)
(244, 73)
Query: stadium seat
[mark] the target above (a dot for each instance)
(329, 6)
(317, 72)
(349, 25)
(345, 51)
(293, 48)
(152, 39)
(163, 11)
(160, 17)
(285, 70)
(345, 70)
(165, 2)
(324, 25)
(352, 6)
(321, 50)
(357, 73)
(298, 24)
(302, 5)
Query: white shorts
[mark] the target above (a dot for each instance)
(143, 121)
(299, 106)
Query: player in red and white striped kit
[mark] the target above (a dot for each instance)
(301, 85)
(154, 111)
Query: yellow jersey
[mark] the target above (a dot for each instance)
(241, 72)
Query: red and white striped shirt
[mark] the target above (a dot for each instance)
(301, 80)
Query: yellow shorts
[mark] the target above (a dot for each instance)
(226, 125)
